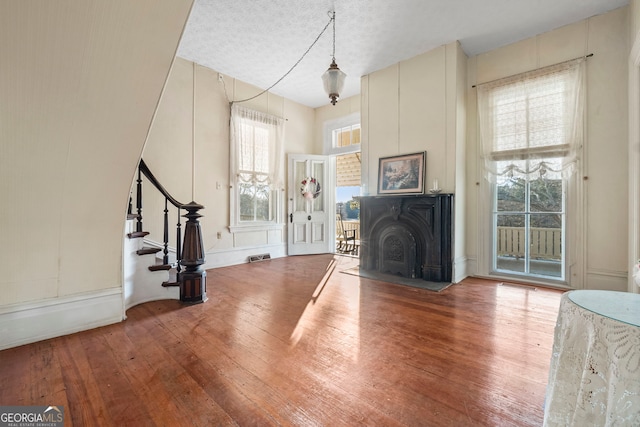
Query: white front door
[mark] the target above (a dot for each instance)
(311, 204)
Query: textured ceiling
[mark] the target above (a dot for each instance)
(258, 41)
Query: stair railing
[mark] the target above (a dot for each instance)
(193, 280)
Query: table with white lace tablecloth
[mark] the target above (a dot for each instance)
(594, 377)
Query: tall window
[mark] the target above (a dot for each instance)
(531, 130)
(256, 159)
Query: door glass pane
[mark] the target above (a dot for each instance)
(545, 247)
(318, 174)
(300, 174)
(510, 242)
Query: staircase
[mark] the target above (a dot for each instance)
(155, 271)
(144, 273)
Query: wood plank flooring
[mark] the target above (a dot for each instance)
(295, 342)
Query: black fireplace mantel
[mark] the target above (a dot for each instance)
(407, 235)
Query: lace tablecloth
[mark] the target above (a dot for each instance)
(594, 378)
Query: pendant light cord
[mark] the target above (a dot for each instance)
(332, 18)
(333, 52)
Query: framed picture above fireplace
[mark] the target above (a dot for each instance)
(402, 174)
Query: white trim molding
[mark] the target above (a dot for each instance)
(460, 269)
(26, 323)
(606, 279)
(634, 161)
(227, 257)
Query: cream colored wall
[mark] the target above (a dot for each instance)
(459, 111)
(77, 99)
(604, 232)
(634, 18)
(326, 113)
(419, 105)
(634, 141)
(412, 106)
(74, 119)
(198, 169)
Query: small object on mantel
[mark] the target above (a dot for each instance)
(435, 189)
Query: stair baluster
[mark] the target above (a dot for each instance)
(178, 245)
(139, 201)
(165, 257)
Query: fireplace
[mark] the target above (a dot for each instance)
(409, 236)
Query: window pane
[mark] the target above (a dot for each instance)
(346, 136)
(511, 194)
(545, 244)
(546, 195)
(355, 135)
(343, 138)
(510, 242)
(261, 151)
(255, 201)
(262, 207)
(547, 189)
(247, 201)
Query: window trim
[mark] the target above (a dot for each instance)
(235, 225)
(330, 126)
(575, 221)
(494, 270)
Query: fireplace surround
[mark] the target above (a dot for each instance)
(407, 235)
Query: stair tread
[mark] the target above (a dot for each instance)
(168, 284)
(159, 267)
(136, 234)
(148, 250)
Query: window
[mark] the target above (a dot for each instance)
(346, 136)
(342, 135)
(531, 130)
(529, 220)
(256, 158)
(342, 140)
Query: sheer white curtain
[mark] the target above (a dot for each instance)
(257, 147)
(528, 119)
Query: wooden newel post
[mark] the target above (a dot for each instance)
(193, 280)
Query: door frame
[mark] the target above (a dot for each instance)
(328, 190)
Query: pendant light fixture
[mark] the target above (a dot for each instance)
(333, 78)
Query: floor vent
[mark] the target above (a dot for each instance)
(256, 258)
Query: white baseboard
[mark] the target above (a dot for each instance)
(606, 280)
(471, 266)
(35, 321)
(226, 257)
(459, 269)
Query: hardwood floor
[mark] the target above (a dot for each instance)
(293, 341)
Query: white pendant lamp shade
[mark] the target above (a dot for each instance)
(333, 80)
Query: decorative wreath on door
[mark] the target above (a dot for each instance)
(310, 188)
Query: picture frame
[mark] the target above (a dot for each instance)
(403, 174)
